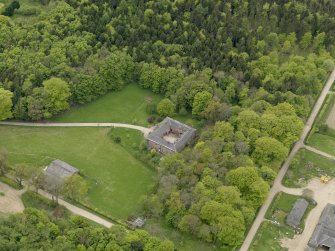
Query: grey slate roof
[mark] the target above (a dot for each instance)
(138, 223)
(165, 127)
(297, 212)
(60, 169)
(324, 233)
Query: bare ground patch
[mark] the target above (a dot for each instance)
(10, 201)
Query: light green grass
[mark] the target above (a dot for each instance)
(125, 106)
(307, 165)
(323, 142)
(269, 235)
(117, 181)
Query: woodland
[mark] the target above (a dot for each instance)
(248, 71)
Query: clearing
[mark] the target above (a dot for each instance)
(117, 181)
(126, 106)
(307, 165)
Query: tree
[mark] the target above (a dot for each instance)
(306, 40)
(37, 179)
(3, 163)
(5, 104)
(21, 172)
(243, 177)
(74, 187)
(9, 11)
(269, 151)
(258, 192)
(190, 223)
(211, 112)
(59, 92)
(229, 195)
(166, 107)
(223, 130)
(200, 102)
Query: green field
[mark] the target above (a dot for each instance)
(269, 235)
(307, 165)
(126, 106)
(117, 181)
(323, 142)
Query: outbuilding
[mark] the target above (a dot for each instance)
(170, 136)
(60, 170)
(297, 212)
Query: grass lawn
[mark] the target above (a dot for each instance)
(117, 181)
(307, 165)
(125, 106)
(269, 235)
(323, 142)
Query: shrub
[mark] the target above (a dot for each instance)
(9, 11)
(323, 128)
(183, 111)
(151, 119)
(10, 182)
(166, 107)
(117, 139)
(29, 11)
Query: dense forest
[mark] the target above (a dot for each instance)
(35, 230)
(250, 70)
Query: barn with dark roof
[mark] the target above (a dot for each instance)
(170, 136)
(323, 236)
(60, 170)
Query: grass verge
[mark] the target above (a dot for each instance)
(270, 234)
(10, 182)
(307, 165)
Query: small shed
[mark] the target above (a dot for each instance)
(59, 169)
(137, 223)
(297, 212)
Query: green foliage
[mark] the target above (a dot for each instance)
(269, 151)
(58, 92)
(200, 102)
(5, 104)
(74, 187)
(9, 11)
(166, 107)
(103, 163)
(10, 182)
(24, 230)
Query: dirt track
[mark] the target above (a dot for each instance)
(277, 184)
(323, 194)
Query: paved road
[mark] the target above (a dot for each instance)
(79, 211)
(277, 184)
(144, 130)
